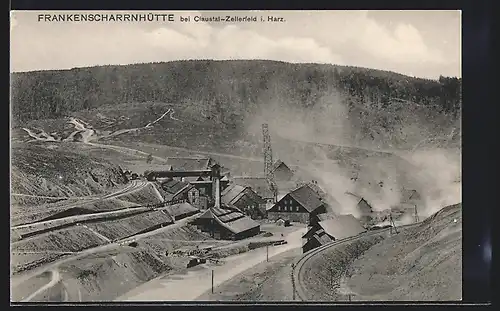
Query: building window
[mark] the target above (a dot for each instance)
(297, 208)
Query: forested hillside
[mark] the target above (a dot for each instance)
(227, 92)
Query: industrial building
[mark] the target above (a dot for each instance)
(259, 185)
(301, 205)
(331, 228)
(245, 200)
(176, 190)
(220, 220)
(227, 224)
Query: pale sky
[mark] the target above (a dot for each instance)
(417, 43)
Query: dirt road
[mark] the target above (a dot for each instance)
(18, 279)
(56, 277)
(267, 281)
(197, 280)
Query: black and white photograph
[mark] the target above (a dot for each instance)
(235, 156)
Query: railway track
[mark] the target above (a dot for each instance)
(299, 288)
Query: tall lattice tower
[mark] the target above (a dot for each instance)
(268, 152)
(268, 160)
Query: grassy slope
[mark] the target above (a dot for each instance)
(424, 263)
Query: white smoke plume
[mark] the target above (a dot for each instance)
(374, 176)
(439, 173)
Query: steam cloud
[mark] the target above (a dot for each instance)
(376, 177)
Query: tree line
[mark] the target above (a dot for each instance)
(222, 86)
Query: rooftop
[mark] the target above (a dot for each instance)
(188, 164)
(173, 186)
(342, 226)
(306, 197)
(279, 163)
(234, 221)
(180, 209)
(259, 185)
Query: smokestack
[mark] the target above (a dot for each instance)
(217, 192)
(216, 184)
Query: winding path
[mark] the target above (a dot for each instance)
(56, 277)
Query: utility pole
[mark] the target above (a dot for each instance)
(393, 224)
(416, 214)
(212, 281)
(267, 253)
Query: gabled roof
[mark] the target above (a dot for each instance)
(193, 178)
(326, 197)
(242, 224)
(173, 186)
(309, 233)
(208, 214)
(279, 163)
(233, 221)
(259, 185)
(342, 226)
(322, 237)
(306, 197)
(231, 192)
(188, 164)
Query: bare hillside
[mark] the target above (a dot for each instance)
(55, 170)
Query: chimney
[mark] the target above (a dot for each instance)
(217, 192)
(216, 184)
